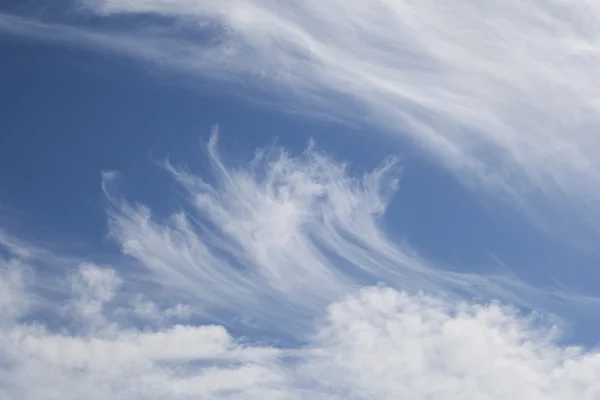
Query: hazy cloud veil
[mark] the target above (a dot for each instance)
(275, 279)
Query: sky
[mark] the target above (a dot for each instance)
(256, 199)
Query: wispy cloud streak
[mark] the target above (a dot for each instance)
(502, 94)
(285, 235)
(287, 250)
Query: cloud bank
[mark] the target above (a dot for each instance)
(269, 284)
(378, 343)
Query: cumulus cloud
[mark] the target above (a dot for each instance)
(502, 94)
(275, 280)
(378, 343)
(93, 286)
(388, 345)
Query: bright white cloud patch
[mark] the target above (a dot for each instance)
(388, 345)
(92, 287)
(378, 344)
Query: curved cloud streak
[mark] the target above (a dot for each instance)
(502, 94)
(297, 231)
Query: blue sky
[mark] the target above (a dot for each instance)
(259, 200)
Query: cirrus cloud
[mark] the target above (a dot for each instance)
(281, 254)
(503, 95)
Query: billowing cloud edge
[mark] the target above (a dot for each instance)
(376, 343)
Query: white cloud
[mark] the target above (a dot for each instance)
(388, 345)
(149, 310)
(286, 243)
(260, 233)
(377, 344)
(93, 286)
(278, 250)
(502, 94)
(13, 301)
(295, 231)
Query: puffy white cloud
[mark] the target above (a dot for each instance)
(174, 363)
(93, 286)
(379, 344)
(389, 345)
